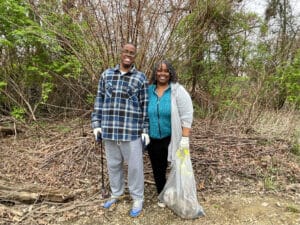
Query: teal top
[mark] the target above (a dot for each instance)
(159, 113)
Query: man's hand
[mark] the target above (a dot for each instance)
(145, 139)
(98, 134)
(185, 143)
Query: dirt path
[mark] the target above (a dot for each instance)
(220, 209)
(251, 209)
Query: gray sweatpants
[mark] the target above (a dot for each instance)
(125, 151)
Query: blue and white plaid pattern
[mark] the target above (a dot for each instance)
(121, 105)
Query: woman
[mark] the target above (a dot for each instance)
(170, 112)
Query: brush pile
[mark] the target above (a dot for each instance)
(50, 174)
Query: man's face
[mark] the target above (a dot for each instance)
(128, 55)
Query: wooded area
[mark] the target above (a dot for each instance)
(241, 68)
(232, 60)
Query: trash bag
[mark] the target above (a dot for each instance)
(180, 193)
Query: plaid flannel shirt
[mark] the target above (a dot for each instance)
(121, 105)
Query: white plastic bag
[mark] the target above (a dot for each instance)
(180, 193)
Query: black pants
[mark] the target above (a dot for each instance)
(158, 153)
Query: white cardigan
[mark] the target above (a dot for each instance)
(181, 116)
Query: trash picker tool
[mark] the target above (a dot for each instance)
(104, 192)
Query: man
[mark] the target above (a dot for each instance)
(120, 119)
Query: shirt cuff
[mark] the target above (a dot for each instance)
(96, 124)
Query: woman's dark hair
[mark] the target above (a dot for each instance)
(173, 75)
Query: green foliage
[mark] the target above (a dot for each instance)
(2, 84)
(198, 111)
(263, 29)
(90, 99)
(295, 149)
(69, 66)
(270, 183)
(63, 129)
(35, 58)
(215, 49)
(56, 49)
(293, 209)
(27, 48)
(18, 113)
(17, 28)
(284, 84)
(46, 90)
(289, 78)
(230, 93)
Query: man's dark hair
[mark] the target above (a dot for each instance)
(173, 75)
(128, 43)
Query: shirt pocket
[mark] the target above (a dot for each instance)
(108, 90)
(133, 96)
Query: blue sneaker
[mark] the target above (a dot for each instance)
(137, 208)
(110, 202)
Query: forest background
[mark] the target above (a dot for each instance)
(241, 68)
(235, 63)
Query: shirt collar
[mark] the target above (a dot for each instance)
(132, 68)
(154, 88)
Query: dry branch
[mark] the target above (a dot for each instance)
(32, 193)
(5, 131)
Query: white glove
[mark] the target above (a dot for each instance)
(185, 143)
(145, 139)
(97, 132)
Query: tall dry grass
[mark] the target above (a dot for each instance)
(270, 124)
(283, 124)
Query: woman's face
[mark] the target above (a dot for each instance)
(162, 75)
